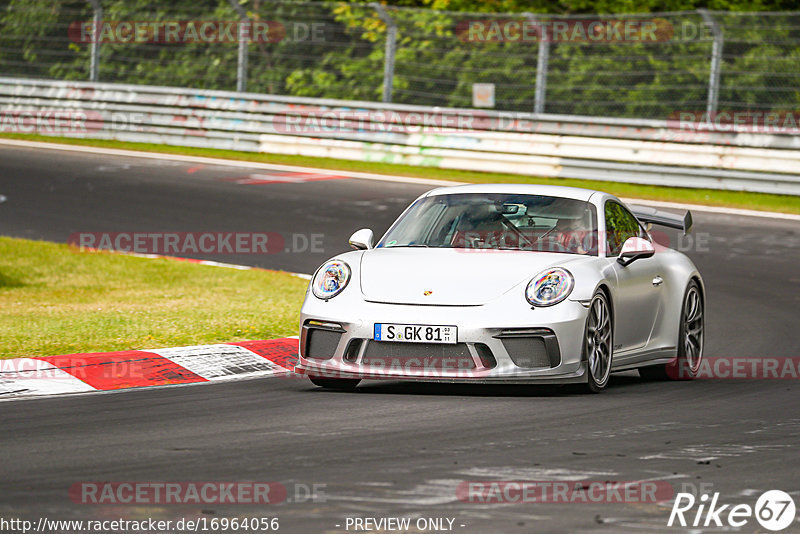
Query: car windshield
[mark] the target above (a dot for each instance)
(499, 222)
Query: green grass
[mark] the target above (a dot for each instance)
(711, 197)
(55, 300)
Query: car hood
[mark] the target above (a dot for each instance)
(450, 277)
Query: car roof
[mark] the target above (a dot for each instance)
(518, 189)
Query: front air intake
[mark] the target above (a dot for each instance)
(321, 344)
(531, 348)
(320, 340)
(527, 352)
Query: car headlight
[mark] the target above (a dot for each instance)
(550, 287)
(330, 279)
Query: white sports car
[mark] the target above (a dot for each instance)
(506, 284)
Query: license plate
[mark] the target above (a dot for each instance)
(415, 333)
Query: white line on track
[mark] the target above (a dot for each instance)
(359, 175)
(203, 262)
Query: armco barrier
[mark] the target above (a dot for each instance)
(625, 150)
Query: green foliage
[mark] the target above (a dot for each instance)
(435, 64)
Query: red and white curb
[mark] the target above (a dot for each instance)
(106, 371)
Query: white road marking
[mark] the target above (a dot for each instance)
(534, 473)
(430, 493)
(708, 453)
(207, 262)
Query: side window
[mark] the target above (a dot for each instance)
(620, 225)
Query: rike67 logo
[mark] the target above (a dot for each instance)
(774, 510)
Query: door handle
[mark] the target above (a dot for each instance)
(657, 281)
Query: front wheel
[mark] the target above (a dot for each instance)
(347, 384)
(690, 341)
(598, 343)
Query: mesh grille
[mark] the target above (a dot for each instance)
(432, 355)
(321, 344)
(527, 352)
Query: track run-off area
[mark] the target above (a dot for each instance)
(392, 449)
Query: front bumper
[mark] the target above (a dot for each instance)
(497, 342)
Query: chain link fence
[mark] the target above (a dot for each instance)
(637, 66)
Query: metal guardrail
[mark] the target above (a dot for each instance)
(624, 150)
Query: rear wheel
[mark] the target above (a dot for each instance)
(348, 384)
(598, 343)
(690, 341)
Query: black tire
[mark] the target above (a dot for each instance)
(346, 384)
(690, 341)
(598, 343)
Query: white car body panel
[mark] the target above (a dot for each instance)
(482, 292)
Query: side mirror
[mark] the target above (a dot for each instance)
(362, 239)
(635, 248)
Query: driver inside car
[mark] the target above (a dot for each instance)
(572, 234)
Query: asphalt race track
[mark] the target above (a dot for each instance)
(394, 449)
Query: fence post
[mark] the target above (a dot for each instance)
(716, 63)
(542, 59)
(97, 20)
(391, 46)
(244, 37)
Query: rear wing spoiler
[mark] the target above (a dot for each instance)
(648, 215)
